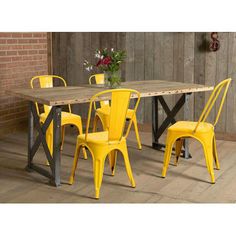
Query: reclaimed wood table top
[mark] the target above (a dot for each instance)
(81, 94)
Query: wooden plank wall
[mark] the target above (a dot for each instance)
(171, 56)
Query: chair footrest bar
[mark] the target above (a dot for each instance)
(158, 146)
(161, 147)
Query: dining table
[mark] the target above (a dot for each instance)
(56, 97)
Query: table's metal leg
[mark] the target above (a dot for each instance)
(157, 131)
(186, 117)
(57, 145)
(33, 145)
(154, 121)
(30, 135)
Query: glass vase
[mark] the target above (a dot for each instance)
(112, 79)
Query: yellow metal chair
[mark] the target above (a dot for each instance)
(201, 130)
(46, 81)
(101, 144)
(103, 112)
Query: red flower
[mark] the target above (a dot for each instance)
(99, 63)
(106, 61)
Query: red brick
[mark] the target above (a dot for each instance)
(2, 66)
(16, 47)
(16, 35)
(37, 57)
(39, 35)
(39, 46)
(5, 78)
(2, 53)
(17, 58)
(5, 59)
(5, 35)
(42, 51)
(3, 41)
(26, 58)
(42, 40)
(11, 53)
(13, 65)
(22, 52)
(30, 52)
(23, 41)
(33, 40)
(4, 47)
(27, 46)
(27, 35)
(11, 41)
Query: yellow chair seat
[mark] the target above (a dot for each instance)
(66, 117)
(189, 126)
(98, 137)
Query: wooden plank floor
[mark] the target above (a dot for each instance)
(188, 182)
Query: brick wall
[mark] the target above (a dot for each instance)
(22, 56)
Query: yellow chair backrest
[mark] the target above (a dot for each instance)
(211, 101)
(46, 81)
(99, 79)
(120, 99)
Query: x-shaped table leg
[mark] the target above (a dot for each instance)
(54, 159)
(157, 130)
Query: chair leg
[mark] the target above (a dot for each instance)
(136, 131)
(95, 121)
(105, 124)
(168, 150)
(76, 157)
(112, 161)
(215, 155)
(208, 151)
(178, 148)
(79, 127)
(62, 136)
(49, 140)
(98, 168)
(84, 153)
(128, 166)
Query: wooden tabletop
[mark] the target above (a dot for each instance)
(82, 94)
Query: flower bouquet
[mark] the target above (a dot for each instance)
(109, 62)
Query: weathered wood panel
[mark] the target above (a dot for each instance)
(182, 57)
(139, 69)
(231, 99)
(121, 45)
(199, 72)
(168, 65)
(222, 73)
(210, 74)
(158, 66)
(129, 65)
(178, 65)
(148, 72)
(189, 66)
